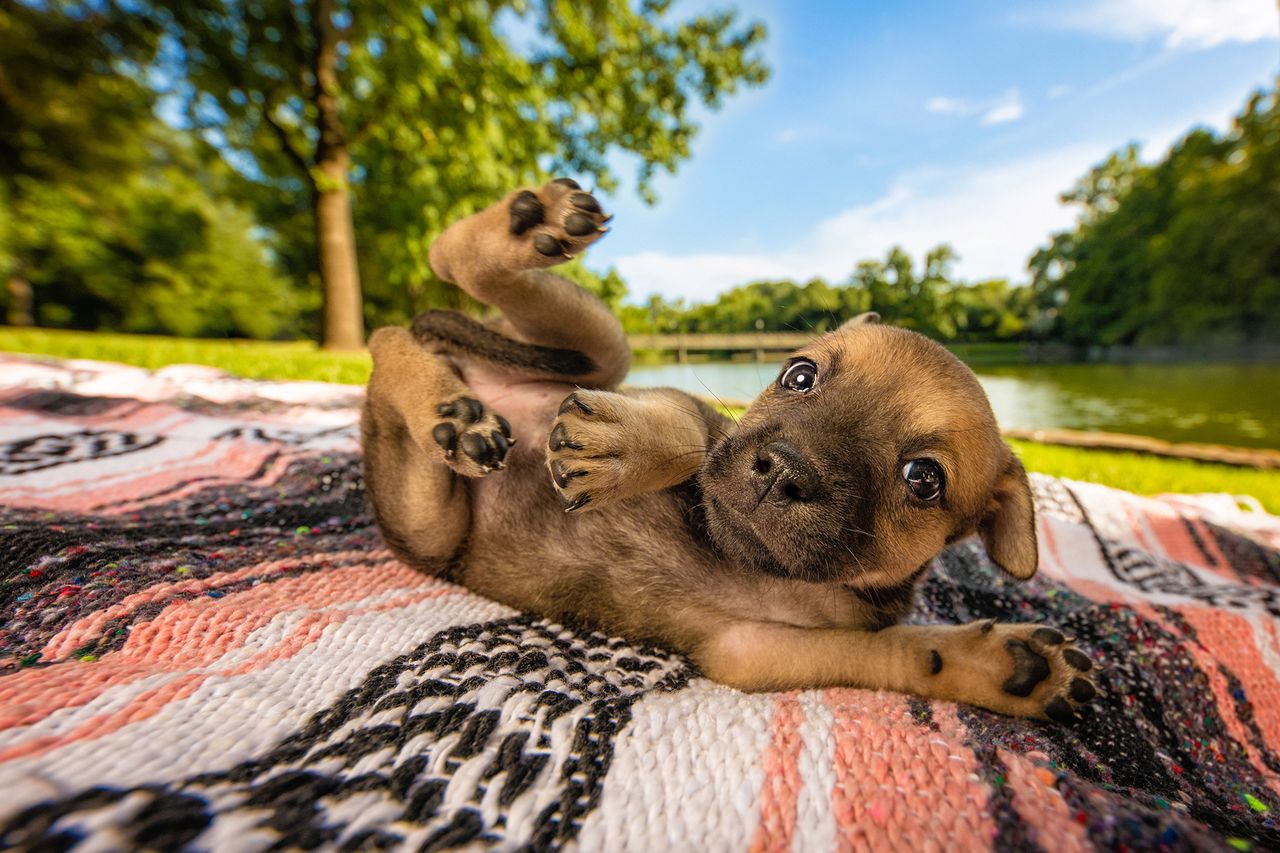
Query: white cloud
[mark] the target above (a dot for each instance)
(999, 110)
(1010, 109)
(1190, 24)
(994, 215)
(949, 106)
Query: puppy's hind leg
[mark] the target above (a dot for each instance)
(500, 255)
(423, 435)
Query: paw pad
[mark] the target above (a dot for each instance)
(558, 221)
(482, 436)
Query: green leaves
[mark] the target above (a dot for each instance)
(1183, 251)
(927, 300)
(446, 106)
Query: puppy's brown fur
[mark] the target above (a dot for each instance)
(778, 553)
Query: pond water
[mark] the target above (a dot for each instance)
(1233, 404)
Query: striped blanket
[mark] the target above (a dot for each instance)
(204, 644)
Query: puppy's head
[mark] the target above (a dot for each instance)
(872, 450)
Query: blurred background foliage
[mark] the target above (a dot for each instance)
(205, 223)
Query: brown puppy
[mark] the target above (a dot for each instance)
(778, 552)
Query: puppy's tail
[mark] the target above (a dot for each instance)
(464, 335)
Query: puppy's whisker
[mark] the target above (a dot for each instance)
(715, 428)
(722, 403)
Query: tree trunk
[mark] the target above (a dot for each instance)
(21, 302)
(343, 321)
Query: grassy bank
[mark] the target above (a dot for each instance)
(299, 360)
(253, 359)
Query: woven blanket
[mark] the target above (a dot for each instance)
(204, 644)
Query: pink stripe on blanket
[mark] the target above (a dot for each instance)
(1226, 704)
(150, 703)
(85, 630)
(1230, 639)
(1040, 804)
(1174, 534)
(890, 793)
(782, 782)
(190, 634)
(222, 462)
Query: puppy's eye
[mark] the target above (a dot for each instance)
(924, 478)
(800, 375)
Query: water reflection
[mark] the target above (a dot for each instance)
(1236, 404)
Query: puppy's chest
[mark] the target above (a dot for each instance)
(530, 407)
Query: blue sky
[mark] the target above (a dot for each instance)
(923, 122)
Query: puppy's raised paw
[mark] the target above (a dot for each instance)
(473, 438)
(555, 222)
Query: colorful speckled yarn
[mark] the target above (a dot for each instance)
(204, 644)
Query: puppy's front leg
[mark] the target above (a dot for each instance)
(1016, 669)
(606, 446)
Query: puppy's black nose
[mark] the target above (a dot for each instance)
(782, 474)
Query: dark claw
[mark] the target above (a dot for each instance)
(548, 245)
(1077, 659)
(988, 625)
(1060, 712)
(568, 182)
(560, 439)
(586, 202)
(579, 224)
(505, 426)
(1082, 690)
(446, 436)
(448, 410)
(563, 475)
(573, 401)
(581, 501)
(499, 444)
(470, 409)
(1048, 636)
(526, 212)
(475, 447)
(1029, 669)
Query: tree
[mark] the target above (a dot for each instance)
(154, 248)
(426, 111)
(1182, 251)
(67, 112)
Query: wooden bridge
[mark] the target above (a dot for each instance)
(758, 343)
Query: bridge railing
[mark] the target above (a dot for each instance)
(755, 342)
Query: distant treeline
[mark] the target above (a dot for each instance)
(924, 298)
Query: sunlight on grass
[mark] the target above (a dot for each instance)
(302, 360)
(1147, 475)
(252, 359)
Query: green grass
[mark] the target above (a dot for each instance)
(1148, 475)
(253, 359)
(299, 360)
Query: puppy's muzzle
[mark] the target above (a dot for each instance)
(782, 475)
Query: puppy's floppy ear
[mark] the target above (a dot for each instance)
(861, 319)
(1009, 527)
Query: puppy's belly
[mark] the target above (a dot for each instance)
(530, 406)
